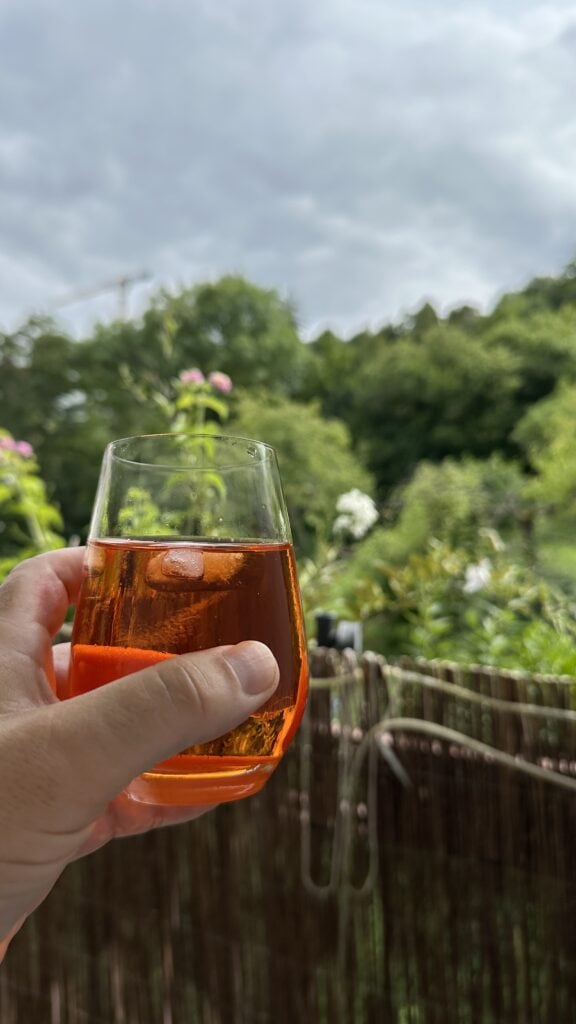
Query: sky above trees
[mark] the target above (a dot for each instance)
(359, 155)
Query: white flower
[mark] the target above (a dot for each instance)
(477, 576)
(357, 514)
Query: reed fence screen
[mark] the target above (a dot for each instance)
(411, 862)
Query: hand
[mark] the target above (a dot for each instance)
(64, 764)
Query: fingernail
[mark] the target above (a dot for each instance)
(254, 665)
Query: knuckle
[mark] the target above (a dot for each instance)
(187, 687)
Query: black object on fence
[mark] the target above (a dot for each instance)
(341, 634)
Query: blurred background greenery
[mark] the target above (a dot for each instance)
(429, 466)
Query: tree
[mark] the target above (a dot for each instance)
(316, 461)
(544, 347)
(449, 394)
(467, 318)
(232, 325)
(541, 294)
(455, 500)
(36, 376)
(229, 325)
(546, 434)
(422, 321)
(331, 375)
(41, 399)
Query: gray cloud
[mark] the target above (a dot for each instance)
(356, 155)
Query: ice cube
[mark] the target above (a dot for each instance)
(176, 569)
(221, 568)
(183, 568)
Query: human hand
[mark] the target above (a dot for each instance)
(64, 764)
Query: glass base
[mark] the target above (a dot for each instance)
(205, 788)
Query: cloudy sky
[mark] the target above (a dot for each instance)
(359, 155)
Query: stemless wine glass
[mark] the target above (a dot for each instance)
(190, 548)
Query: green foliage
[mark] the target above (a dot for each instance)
(432, 388)
(544, 346)
(69, 461)
(192, 406)
(458, 503)
(71, 398)
(420, 607)
(141, 517)
(422, 321)
(542, 293)
(326, 583)
(28, 522)
(331, 376)
(466, 422)
(427, 398)
(195, 407)
(41, 398)
(545, 421)
(320, 575)
(229, 325)
(248, 332)
(316, 461)
(451, 577)
(453, 500)
(440, 605)
(36, 379)
(189, 403)
(556, 550)
(547, 435)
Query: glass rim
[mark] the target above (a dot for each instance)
(266, 450)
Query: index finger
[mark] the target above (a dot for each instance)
(39, 591)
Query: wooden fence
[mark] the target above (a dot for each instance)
(410, 862)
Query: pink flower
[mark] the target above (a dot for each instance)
(193, 376)
(220, 381)
(8, 444)
(24, 449)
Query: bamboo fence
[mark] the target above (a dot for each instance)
(410, 862)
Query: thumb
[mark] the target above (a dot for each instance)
(110, 735)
